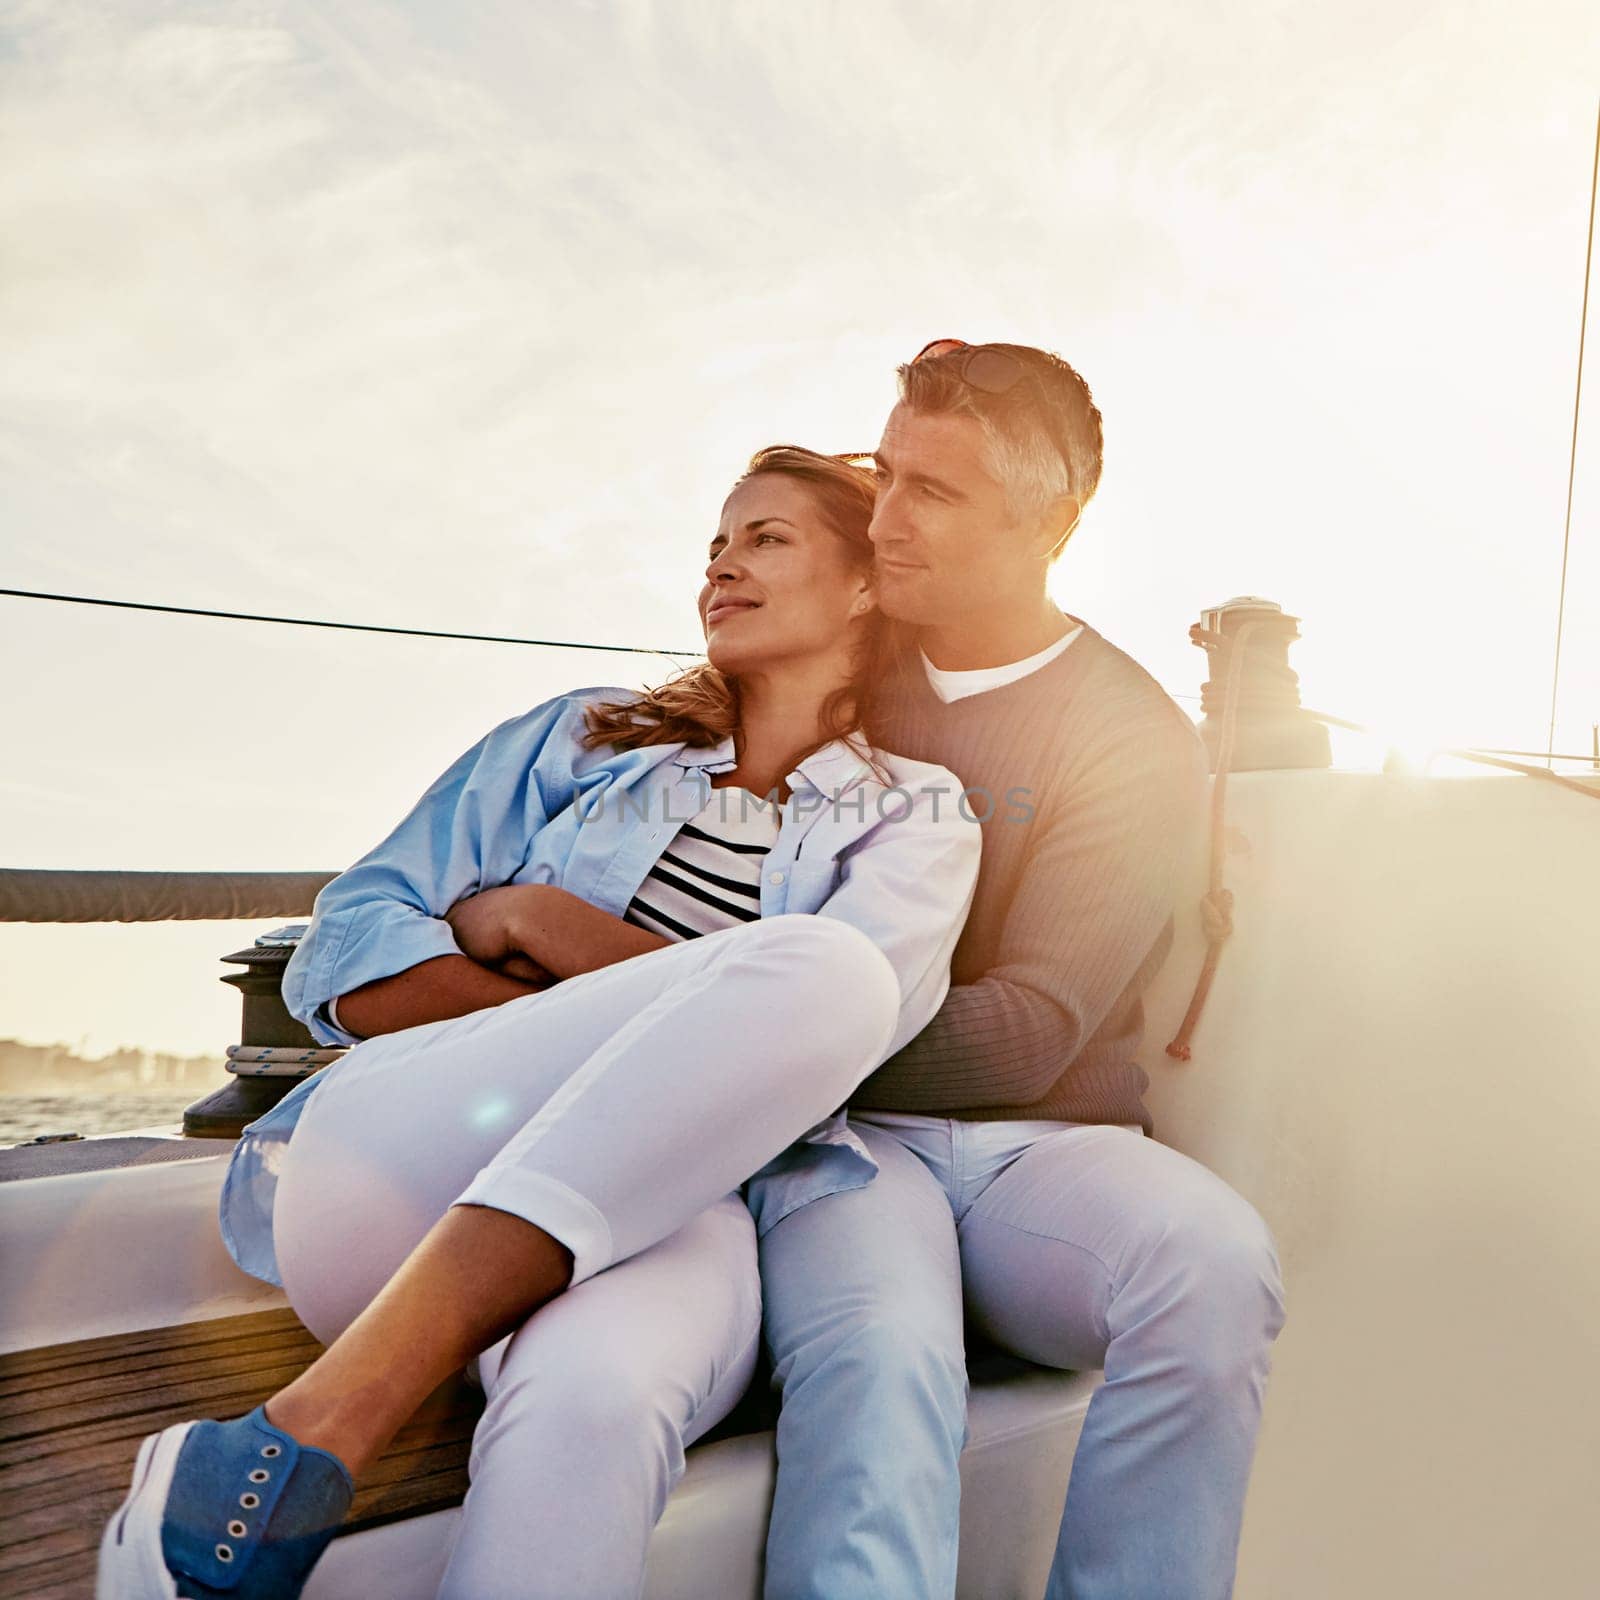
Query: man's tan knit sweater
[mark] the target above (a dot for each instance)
(1073, 912)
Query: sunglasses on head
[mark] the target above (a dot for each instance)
(990, 370)
(981, 366)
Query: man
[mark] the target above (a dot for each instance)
(1014, 1177)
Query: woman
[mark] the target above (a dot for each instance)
(581, 1019)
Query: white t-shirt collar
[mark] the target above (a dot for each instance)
(951, 686)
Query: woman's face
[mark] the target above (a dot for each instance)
(780, 585)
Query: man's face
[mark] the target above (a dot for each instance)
(945, 541)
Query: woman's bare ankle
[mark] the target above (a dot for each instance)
(345, 1431)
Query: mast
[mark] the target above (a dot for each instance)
(1572, 463)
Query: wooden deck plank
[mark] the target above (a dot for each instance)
(199, 1397)
(49, 1590)
(110, 1380)
(51, 1358)
(33, 1513)
(111, 1392)
(44, 1384)
(72, 1416)
(41, 1456)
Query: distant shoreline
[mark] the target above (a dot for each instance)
(58, 1069)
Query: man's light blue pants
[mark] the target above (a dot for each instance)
(1073, 1246)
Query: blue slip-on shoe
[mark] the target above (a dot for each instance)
(222, 1511)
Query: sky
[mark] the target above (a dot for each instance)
(466, 316)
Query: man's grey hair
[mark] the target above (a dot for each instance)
(1043, 438)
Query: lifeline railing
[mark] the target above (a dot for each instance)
(44, 895)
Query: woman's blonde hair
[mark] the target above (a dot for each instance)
(700, 706)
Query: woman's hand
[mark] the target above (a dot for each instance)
(541, 924)
(491, 927)
(526, 970)
(525, 928)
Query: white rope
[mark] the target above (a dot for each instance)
(278, 1061)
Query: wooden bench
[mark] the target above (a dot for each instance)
(72, 1416)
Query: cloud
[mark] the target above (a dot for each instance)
(376, 302)
(465, 316)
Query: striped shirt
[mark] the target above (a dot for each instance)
(709, 877)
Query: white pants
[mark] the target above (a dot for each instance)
(616, 1111)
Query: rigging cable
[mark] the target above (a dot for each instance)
(1470, 753)
(355, 627)
(1484, 756)
(1572, 464)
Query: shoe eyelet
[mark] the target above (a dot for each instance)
(260, 1475)
(270, 1450)
(249, 1501)
(224, 1553)
(236, 1529)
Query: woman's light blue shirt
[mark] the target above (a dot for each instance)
(529, 804)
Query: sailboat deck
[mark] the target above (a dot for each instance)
(72, 1416)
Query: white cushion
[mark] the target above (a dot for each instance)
(1024, 1424)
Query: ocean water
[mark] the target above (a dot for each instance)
(22, 1116)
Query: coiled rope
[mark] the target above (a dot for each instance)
(1216, 906)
